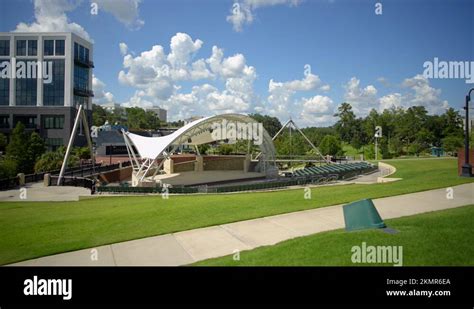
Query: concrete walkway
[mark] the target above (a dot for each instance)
(37, 192)
(215, 241)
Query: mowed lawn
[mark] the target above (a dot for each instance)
(34, 229)
(441, 238)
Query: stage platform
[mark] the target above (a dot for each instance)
(207, 177)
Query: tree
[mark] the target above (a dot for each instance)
(53, 160)
(330, 145)
(99, 115)
(271, 124)
(7, 168)
(203, 148)
(3, 142)
(453, 123)
(137, 118)
(36, 148)
(82, 152)
(345, 125)
(452, 143)
(225, 149)
(17, 149)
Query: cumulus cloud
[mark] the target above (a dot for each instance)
(123, 48)
(100, 95)
(425, 95)
(50, 16)
(361, 99)
(242, 12)
(125, 11)
(282, 94)
(158, 78)
(415, 91)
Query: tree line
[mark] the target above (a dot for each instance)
(410, 131)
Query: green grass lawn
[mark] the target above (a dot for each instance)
(442, 238)
(33, 229)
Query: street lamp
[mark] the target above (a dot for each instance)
(466, 170)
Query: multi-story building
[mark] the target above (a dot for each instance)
(160, 112)
(49, 76)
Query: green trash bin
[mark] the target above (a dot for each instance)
(362, 215)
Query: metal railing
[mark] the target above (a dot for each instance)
(83, 171)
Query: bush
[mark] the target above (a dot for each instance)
(7, 168)
(330, 145)
(53, 160)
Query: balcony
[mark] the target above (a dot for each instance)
(83, 92)
(84, 63)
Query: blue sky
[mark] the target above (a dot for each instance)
(368, 60)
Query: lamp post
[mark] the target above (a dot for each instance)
(466, 170)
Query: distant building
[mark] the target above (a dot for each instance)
(47, 105)
(160, 112)
(111, 106)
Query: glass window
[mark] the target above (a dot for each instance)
(4, 89)
(49, 47)
(26, 89)
(53, 93)
(86, 54)
(4, 47)
(4, 121)
(53, 122)
(76, 50)
(21, 47)
(81, 78)
(28, 121)
(82, 52)
(59, 48)
(81, 101)
(32, 47)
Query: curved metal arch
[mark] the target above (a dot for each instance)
(193, 129)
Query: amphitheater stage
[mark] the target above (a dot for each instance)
(207, 177)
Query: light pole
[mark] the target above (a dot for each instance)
(466, 170)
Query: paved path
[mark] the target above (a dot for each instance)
(37, 192)
(199, 244)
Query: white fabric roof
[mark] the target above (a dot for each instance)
(152, 147)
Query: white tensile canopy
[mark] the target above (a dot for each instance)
(194, 133)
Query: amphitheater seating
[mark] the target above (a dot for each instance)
(342, 170)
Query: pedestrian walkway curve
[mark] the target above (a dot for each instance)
(199, 244)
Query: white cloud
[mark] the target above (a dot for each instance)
(242, 12)
(415, 91)
(157, 78)
(123, 48)
(361, 99)
(182, 49)
(390, 100)
(425, 95)
(50, 16)
(317, 111)
(100, 95)
(125, 11)
(281, 94)
(317, 104)
(325, 88)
